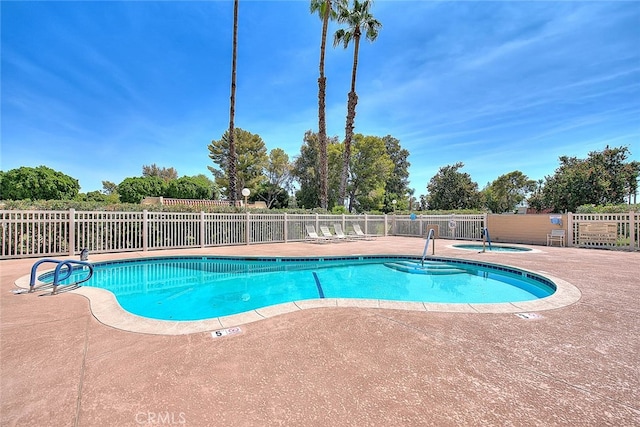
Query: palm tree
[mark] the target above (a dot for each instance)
(233, 158)
(326, 11)
(358, 19)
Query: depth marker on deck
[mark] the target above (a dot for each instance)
(224, 332)
(529, 316)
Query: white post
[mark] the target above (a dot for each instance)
(247, 229)
(145, 230)
(72, 232)
(386, 226)
(366, 224)
(569, 237)
(632, 230)
(485, 220)
(202, 228)
(286, 228)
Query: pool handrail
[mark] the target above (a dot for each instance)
(430, 235)
(56, 273)
(486, 238)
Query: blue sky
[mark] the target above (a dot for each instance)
(98, 89)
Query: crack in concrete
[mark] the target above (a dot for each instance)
(82, 369)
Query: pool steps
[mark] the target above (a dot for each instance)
(426, 267)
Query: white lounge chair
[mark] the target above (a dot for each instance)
(359, 233)
(337, 227)
(312, 235)
(327, 234)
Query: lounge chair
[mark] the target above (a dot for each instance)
(339, 233)
(327, 234)
(312, 235)
(359, 233)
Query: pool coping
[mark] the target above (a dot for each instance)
(106, 309)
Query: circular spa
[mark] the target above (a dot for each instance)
(200, 287)
(491, 248)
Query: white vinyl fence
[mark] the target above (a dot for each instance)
(50, 233)
(605, 231)
(455, 227)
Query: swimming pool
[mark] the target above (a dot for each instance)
(492, 248)
(195, 288)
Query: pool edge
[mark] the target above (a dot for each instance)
(106, 309)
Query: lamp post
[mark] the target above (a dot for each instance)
(393, 202)
(245, 193)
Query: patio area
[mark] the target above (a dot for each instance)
(337, 366)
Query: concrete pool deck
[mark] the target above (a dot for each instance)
(574, 365)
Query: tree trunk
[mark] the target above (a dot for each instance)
(322, 124)
(322, 141)
(352, 101)
(232, 160)
(348, 137)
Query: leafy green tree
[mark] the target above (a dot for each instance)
(357, 19)
(278, 173)
(95, 196)
(252, 160)
(536, 200)
(503, 194)
(326, 11)
(133, 190)
(109, 187)
(631, 173)
(98, 196)
(604, 177)
(191, 187)
(423, 205)
(275, 197)
(450, 189)
(39, 183)
(397, 186)
(166, 174)
(370, 168)
(305, 171)
(335, 152)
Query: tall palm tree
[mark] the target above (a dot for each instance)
(358, 19)
(233, 158)
(326, 11)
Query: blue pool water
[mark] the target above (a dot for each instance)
(492, 248)
(195, 288)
